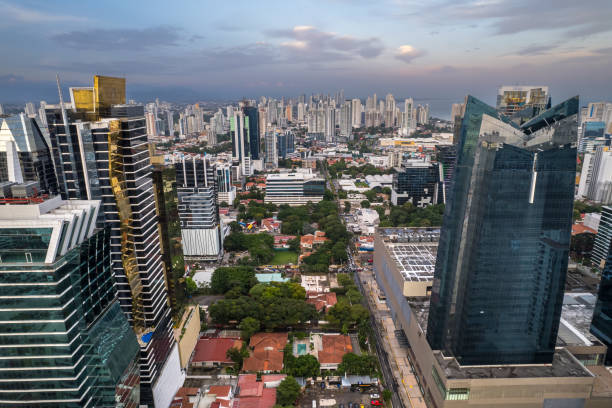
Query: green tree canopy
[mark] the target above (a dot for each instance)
(288, 391)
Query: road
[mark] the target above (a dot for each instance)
(383, 357)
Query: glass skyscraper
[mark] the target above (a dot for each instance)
(601, 326)
(65, 342)
(503, 252)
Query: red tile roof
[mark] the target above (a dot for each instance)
(334, 347)
(321, 300)
(253, 394)
(275, 340)
(214, 350)
(221, 391)
(264, 360)
(581, 229)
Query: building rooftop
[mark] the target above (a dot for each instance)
(415, 261)
(215, 350)
(564, 364)
(576, 316)
(335, 346)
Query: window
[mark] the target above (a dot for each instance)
(458, 394)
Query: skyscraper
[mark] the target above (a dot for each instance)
(25, 154)
(241, 146)
(512, 99)
(407, 124)
(346, 127)
(389, 111)
(596, 176)
(103, 154)
(502, 259)
(418, 182)
(330, 124)
(356, 112)
(603, 238)
(67, 344)
(201, 234)
(271, 149)
(253, 128)
(601, 325)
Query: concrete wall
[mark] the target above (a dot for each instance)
(187, 338)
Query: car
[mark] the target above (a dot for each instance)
(376, 403)
(374, 396)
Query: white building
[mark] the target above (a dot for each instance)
(294, 188)
(596, 176)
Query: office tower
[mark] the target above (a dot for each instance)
(289, 113)
(271, 150)
(241, 146)
(103, 154)
(252, 114)
(601, 325)
(1, 109)
(286, 144)
(330, 124)
(504, 247)
(446, 155)
(301, 109)
(340, 96)
(389, 111)
(41, 115)
(294, 188)
(263, 124)
(24, 153)
(598, 112)
(418, 182)
(226, 192)
(356, 113)
(596, 176)
(30, 110)
(512, 99)
(201, 235)
(603, 238)
(407, 124)
(346, 128)
(65, 342)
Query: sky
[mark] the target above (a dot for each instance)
(435, 51)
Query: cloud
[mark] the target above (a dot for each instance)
(407, 53)
(534, 49)
(102, 39)
(573, 18)
(309, 43)
(12, 12)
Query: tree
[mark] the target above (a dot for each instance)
(294, 244)
(237, 356)
(365, 204)
(224, 204)
(305, 365)
(347, 206)
(364, 364)
(287, 391)
(342, 194)
(328, 195)
(191, 286)
(386, 395)
(235, 227)
(248, 327)
(225, 278)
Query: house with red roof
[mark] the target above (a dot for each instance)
(267, 353)
(186, 397)
(255, 394)
(282, 241)
(270, 225)
(321, 300)
(334, 347)
(212, 352)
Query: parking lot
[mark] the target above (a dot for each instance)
(341, 396)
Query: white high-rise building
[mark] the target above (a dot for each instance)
(150, 122)
(422, 113)
(407, 124)
(30, 110)
(330, 124)
(301, 109)
(346, 128)
(356, 112)
(596, 176)
(271, 154)
(389, 111)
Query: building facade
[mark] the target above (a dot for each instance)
(601, 325)
(504, 247)
(418, 182)
(294, 188)
(603, 238)
(58, 301)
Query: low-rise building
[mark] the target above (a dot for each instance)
(321, 300)
(254, 394)
(212, 352)
(266, 353)
(294, 188)
(334, 347)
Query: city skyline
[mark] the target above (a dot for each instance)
(436, 53)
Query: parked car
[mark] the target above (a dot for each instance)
(376, 403)
(374, 396)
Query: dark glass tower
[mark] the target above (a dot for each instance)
(502, 258)
(252, 113)
(601, 326)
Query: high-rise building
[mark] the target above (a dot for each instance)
(407, 125)
(512, 99)
(252, 114)
(389, 109)
(301, 111)
(457, 112)
(170, 123)
(25, 154)
(294, 188)
(418, 182)
(330, 124)
(601, 325)
(422, 114)
(271, 150)
(446, 155)
(226, 192)
(603, 238)
(65, 341)
(356, 113)
(286, 144)
(596, 176)
(593, 135)
(504, 247)
(30, 109)
(201, 234)
(346, 128)
(1, 109)
(151, 124)
(241, 146)
(103, 154)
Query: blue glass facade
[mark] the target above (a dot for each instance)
(502, 257)
(65, 341)
(254, 138)
(601, 326)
